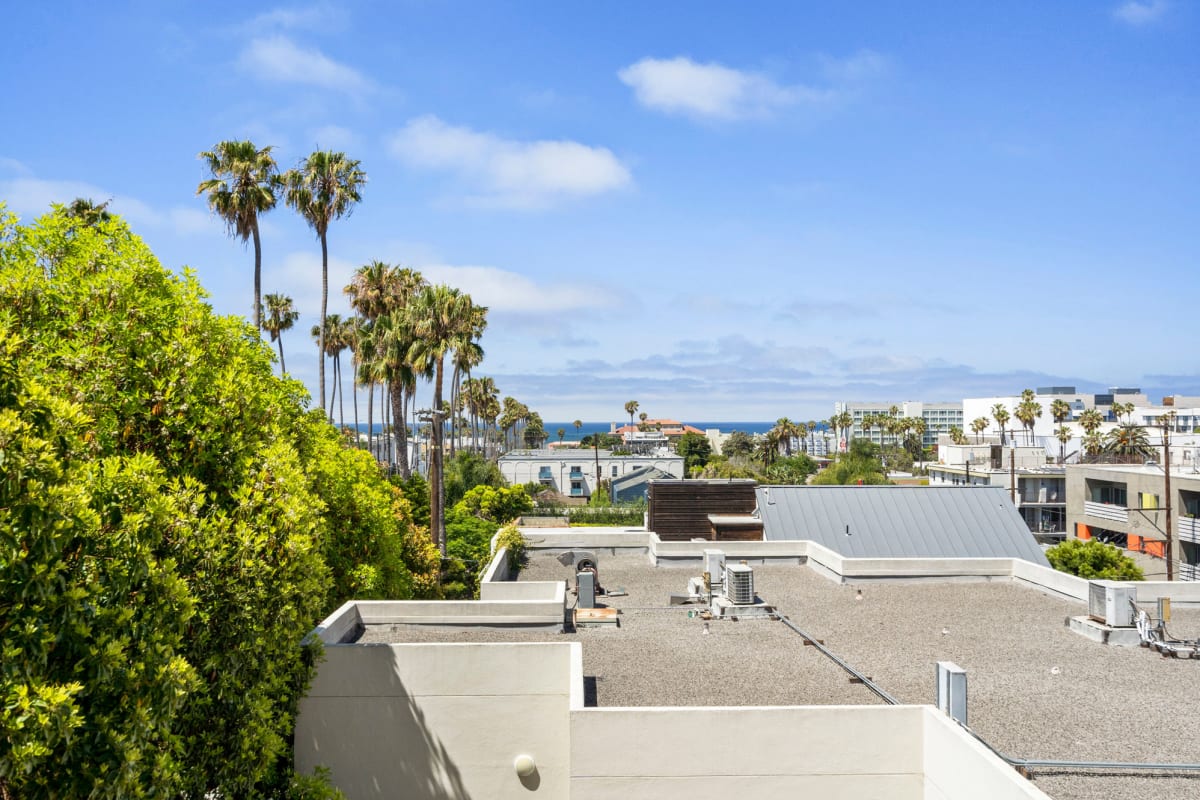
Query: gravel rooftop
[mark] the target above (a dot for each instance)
(1037, 690)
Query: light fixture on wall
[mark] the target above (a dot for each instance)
(524, 765)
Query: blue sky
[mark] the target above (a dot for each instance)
(724, 211)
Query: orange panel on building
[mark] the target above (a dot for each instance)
(1082, 531)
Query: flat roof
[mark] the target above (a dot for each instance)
(1036, 689)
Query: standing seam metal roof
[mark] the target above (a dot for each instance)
(900, 521)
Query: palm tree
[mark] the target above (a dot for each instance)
(243, 186)
(468, 356)
(561, 433)
(88, 212)
(443, 320)
(1090, 420)
(957, 436)
(768, 449)
(785, 429)
(328, 344)
(1063, 434)
(1001, 415)
(341, 334)
(325, 187)
(372, 291)
(1060, 409)
(1028, 411)
(1128, 440)
(978, 426)
(280, 317)
(631, 408)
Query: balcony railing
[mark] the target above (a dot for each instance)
(576, 492)
(1106, 511)
(1189, 572)
(1189, 529)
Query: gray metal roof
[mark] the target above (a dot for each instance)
(639, 475)
(900, 521)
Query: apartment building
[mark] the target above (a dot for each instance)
(1036, 488)
(573, 474)
(1127, 505)
(939, 418)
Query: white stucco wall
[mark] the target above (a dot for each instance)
(424, 721)
(953, 763)
(767, 753)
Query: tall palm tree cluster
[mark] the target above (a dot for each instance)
(246, 183)
(404, 328)
(407, 329)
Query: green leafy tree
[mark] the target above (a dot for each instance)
(188, 502)
(695, 449)
(791, 470)
(326, 186)
(243, 187)
(861, 464)
(1093, 560)
(737, 444)
(465, 471)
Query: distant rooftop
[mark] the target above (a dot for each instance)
(900, 521)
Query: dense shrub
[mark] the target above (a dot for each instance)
(1094, 560)
(171, 514)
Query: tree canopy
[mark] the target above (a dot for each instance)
(1093, 560)
(173, 522)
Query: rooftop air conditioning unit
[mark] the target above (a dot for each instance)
(739, 584)
(1111, 602)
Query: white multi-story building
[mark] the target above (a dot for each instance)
(939, 418)
(573, 473)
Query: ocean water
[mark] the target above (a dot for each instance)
(588, 428)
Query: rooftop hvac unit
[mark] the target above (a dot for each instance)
(739, 584)
(1111, 602)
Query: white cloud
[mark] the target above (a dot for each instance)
(31, 197)
(1141, 12)
(14, 167)
(298, 275)
(508, 172)
(504, 291)
(278, 58)
(319, 17)
(862, 66)
(682, 86)
(334, 137)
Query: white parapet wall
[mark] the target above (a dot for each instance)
(953, 763)
(426, 721)
(767, 753)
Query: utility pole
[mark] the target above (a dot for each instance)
(596, 449)
(1012, 473)
(1166, 430)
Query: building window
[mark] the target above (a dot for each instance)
(1109, 493)
(576, 488)
(614, 470)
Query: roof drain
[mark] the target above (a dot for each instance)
(1023, 765)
